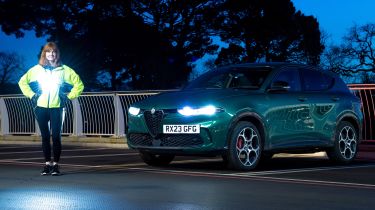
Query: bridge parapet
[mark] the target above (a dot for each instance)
(366, 92)
(105, 114)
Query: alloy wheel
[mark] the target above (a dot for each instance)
(248, 146)
(347, 142)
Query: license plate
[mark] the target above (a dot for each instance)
(181, 129)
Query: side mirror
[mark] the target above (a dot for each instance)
(279, 86)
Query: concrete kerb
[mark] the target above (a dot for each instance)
(69, 140)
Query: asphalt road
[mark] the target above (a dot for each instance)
(108, 178)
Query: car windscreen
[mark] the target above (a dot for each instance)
(236, 77)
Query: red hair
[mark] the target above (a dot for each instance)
(50, 46)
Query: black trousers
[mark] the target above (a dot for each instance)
(50, 119)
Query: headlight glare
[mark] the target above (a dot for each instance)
(134, 110)
(207, 110)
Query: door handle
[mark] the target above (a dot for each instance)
(335, 98)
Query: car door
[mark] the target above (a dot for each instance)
(322, 102)
(288, 116)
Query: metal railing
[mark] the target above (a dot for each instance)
(366, 92)
(105, 114)
(92, 114)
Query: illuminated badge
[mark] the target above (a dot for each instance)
(181, 129)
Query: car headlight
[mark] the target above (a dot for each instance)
(134, 110)
(207, 110)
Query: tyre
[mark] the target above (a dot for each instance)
(156, 160)
(245, 147)
(345, 147)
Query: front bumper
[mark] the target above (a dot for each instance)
(212, 136)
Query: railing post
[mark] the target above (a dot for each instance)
(37, 129)
(77, 118)
(119, 117)
(4, 119)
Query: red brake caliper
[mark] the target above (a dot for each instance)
(240, 142)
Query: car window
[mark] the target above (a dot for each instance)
(316, 81)
(210, 79)
(246, 78)
(291, 76)
(217, 81)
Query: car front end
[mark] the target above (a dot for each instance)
(179, 123)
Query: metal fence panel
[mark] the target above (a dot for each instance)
(98, 114)
(128, 99)
(21, 116)
(105, 114)
(366, 92)
(67, 128)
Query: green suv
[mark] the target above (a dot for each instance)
(248, 112)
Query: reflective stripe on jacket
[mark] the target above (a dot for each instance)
(49, 83)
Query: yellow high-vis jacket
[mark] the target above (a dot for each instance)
(49, 84)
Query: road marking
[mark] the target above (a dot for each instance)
(256, 174)
(316, 182)
(15, 147)
(64, 150)
(21, 161)
(261, 178)
(248, 176)
(251, 173)
(10, 161)
(78, 156)
(287, 171)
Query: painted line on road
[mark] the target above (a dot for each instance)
(287, 171)
(261, 178)
(74, 165)
(17, 147)
(133, 166)
(316, 182)
(67, 150)
(252, 173)
(119, 167)
(259, 174)
(78, 156)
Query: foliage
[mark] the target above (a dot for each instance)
(268, 30)
(11, 65)
(355, 55)
(151, 44)
(182, 27)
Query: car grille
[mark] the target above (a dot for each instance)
(153, 121)
(165, 140)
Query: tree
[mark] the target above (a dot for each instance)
(153, 43)
(367, 78)
(112, 36)
(184, 36)
(11, 65)
(355, 55)
(269, 30)
(61, 21)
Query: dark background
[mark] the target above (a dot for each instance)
(151, 44)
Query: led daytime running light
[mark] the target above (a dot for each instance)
(207, 110)
(134, 110)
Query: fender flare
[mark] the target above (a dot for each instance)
(242, 116)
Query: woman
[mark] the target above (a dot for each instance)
(43, 85)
